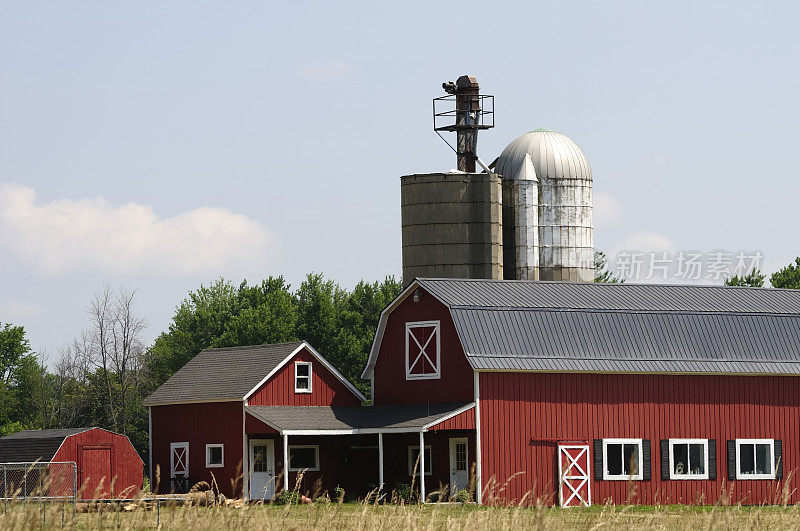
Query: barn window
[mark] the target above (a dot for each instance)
(303, 457)
(215, 456)
(688, 458)
(755, 459)
(622, 459)
(302, 377)
(422, 350)
(413, 455)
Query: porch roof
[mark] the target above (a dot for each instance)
(313, 420)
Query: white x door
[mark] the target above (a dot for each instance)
(573, 471)
(178, 465)
(262, 469)
(459, 467)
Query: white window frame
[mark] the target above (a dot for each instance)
(208, 455)
(675, 475)
(412, 462)
(310, 379)
(622, 477)
(438, 365)
(739, 443)
(304, 469)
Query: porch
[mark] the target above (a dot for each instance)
(359, 449)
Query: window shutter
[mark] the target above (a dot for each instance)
(778, 459)
(665, 459)
(731, 459)
(646, 460)
(712, 459)
(598, 459)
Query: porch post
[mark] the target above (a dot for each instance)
(422, 467)
(285, 462)
(380, 461)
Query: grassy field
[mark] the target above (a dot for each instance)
(359, 516)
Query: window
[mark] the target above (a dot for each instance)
(302, 377)
(422, 350)
(622, 459)
(413, 455)
(303, 457)
(215, 457)
(688, 458)
(754, 459)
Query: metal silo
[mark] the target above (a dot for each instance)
(555, 220)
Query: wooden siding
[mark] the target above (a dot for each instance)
(462, 421)
(522, 415)
(199, 424)
(126, 466)
(391, 386)
(326, 389)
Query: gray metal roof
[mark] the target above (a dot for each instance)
(587, 327)
(34, 445)
(554, 156)
(222, 373)
(413, 417)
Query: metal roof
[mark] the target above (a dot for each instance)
(554, 156)
(34, 445)
(222, 373)
(587, 327)
(412, 417)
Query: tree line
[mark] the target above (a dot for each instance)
(101, 377)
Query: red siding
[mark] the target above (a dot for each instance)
(126, 467)
(391, 386)
(327, 389)
(199, 424)
(462, 421)
(522, 415)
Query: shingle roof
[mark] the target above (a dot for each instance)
(222, 373)
(565, 326)
(412, 417)
(34, 445)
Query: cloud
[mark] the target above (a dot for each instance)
(644, 241)
(608, 212)
(69, 235)
(326, 70)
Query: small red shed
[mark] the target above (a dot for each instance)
(106, 464)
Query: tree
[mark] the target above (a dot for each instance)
(13, 346)
(601, 272)
(754, 279)
(788, 277)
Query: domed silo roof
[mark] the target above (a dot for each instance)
(554, 156)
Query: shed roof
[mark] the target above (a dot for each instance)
(34, 445)
(587, 327)
(413, 417)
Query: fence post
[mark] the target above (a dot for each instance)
(158, 512)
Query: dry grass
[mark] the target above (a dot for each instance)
(362, 516)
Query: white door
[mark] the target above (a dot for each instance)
(573, 471)
(459, 468)
(262, 469)
(178, 465)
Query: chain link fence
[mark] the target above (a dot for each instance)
(52, 481)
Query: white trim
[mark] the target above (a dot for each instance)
(285, 462)
(668, 373)
(622, 477)
(319, 357)
(172, 446)
(740, 474)
(583, 477)
(221, 446)
(149, 446)
(305, 469)
(671, 457)
(448, 416)
(319, 432)
(436, 365)
(478, 475)
(422, 460)
(421, 449)
(310, 377)
(380, 462)
(246, 456)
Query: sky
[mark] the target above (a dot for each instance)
(162, 145)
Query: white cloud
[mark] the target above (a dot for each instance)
(608, 212)
(68, 235)
(644, 241)
(326, 70)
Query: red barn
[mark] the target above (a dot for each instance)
(566, 393)
(106, 463)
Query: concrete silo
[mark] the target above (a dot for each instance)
(547, 209)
